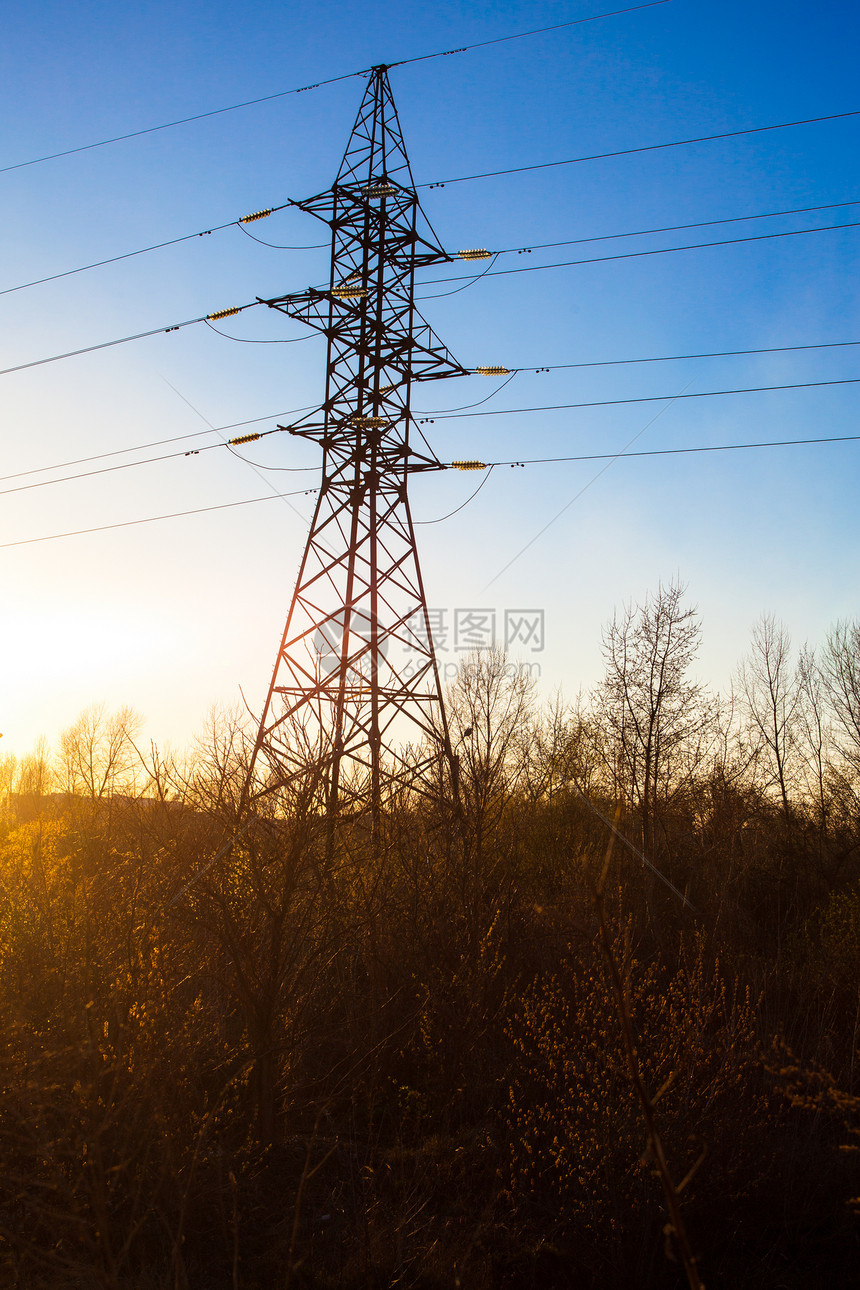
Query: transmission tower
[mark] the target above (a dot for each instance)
(356, 683)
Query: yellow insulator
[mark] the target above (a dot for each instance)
(350, 293)
(223, 313)
(246, 438)
(493, 371)
(369, 423)
(249, 219)
(469, 465)
(379, 190)
(475, 253)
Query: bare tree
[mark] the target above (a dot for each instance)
(489, 709)
(655, 719)
(815, 735)
(25, 782)
(840, 670)
(558, 749)
(97, 756)
(772, 695)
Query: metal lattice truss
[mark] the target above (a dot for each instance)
(356, 683)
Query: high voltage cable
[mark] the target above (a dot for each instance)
(488, 466)
(106, 470)
(440, 519)
(141, 335)
(157, 443)
(168, 125)
(666, 452)
(280, 246)
(236, 425)
(626, 362)
(114, 259)
(635, 255)
(167, 456)
(673, 228)
(538, 31)
(156, 246)
(678, 358)
(650, 147)
(153, 519)
(526, 268)
(514, 250)
(529, 268)
(256, 340)
(332, 80)
(230, 444)
(616, 403)
(106, 344)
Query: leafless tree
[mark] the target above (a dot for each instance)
(840, 669)
(772, 693)
(815, 736)
(558, 749)
(489, 708)
(655, 718)
(97, 756)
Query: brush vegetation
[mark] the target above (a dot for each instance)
(431, 1058)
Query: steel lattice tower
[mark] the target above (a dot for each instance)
(356, 683)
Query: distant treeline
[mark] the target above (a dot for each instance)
(246, 1050)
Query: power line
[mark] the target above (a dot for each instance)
(106, 470)
(661, 412)
(610, 458)
(158, 246)
(153, 519)
(652, 398)
(466, 407)
(207, 318)
(650, 147)
(237, 425)
(518, 250)
(244, 438)
(538, 31)
(332, 80)
(157, 443)
(674, 228)
(678, 358)
(635, 255)
(168, 456)
(626, 362)
(441, 518)
(114, 259)
(124, 340)
(488, 466)
(280, 246)
(256, 340)
(672, 452)
(231, 443)
(169, 125)
(530, 268)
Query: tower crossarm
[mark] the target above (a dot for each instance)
(344, 203)
(415, 352)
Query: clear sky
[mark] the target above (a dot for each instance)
(172, 617)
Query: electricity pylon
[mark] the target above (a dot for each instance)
(356, 682)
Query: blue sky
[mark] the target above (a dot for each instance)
(175, 616)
